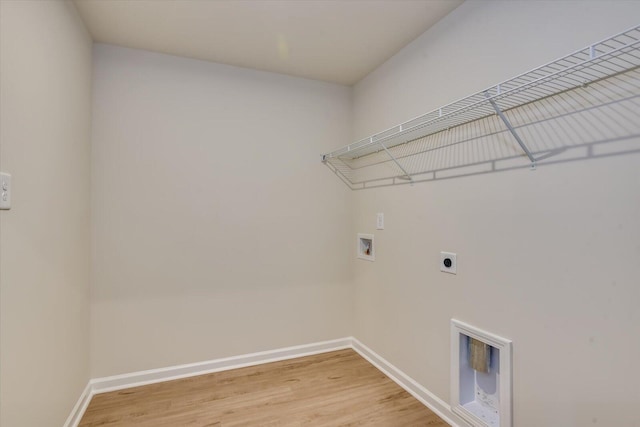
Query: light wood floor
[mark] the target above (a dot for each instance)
(331, 389)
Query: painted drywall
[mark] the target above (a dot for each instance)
(549, 259)
(45, 106)
(217, 231)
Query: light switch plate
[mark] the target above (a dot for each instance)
(448, 262)
(380, 221)
(5, 191)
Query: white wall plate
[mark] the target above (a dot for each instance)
(5, 191)
(366, 247)
(448, 262)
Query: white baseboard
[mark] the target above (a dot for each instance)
(81, 405)
(428, 399)
(135, 379)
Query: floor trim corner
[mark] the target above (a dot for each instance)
(427, 398)
(80, 407)
(136, 379)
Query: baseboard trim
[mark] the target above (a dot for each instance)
(136, 379)
(427, 398)
(80, 407)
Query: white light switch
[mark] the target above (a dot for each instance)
(5, 191)
(380, 221)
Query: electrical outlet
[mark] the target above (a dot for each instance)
(5, 191)
(448, 262)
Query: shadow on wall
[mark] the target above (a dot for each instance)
(595, 121)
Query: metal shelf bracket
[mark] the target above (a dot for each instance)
(406, 174)
(511, 129)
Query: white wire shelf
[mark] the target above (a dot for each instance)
(386, 157)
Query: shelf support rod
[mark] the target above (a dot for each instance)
(511, 129)
(397, 163)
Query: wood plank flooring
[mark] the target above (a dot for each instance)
(339, 388)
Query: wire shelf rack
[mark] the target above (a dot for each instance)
(599, 84)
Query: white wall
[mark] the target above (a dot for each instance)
(549, 259)
(45, 105)
(217, 231)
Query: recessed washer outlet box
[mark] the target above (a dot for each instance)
(480, 376)
(366, 247)
(448, 262)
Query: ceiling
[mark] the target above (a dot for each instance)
(337, 41)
